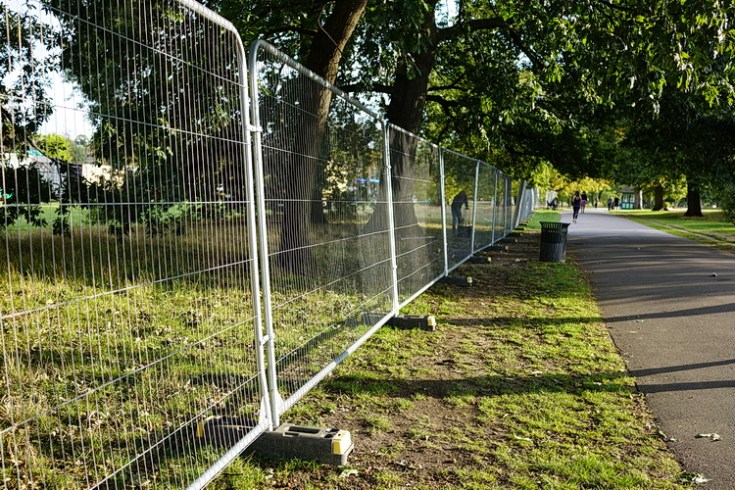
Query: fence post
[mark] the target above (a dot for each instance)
(269, 340)
(391, 218)
(519, 204)
(444, 210)
(495, 204)
(474, 206)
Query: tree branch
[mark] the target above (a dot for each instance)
(362, 87)
(617, 7)
(296, 29)
(494, 23)
(451, 32)
(444, 103)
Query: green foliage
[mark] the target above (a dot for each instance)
(55, 147)
(26, 76)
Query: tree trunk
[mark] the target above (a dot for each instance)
(658, 198)
(406, 109)
(300, 177)
(694, 200)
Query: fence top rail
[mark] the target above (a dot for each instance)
(458, 154)
(261, 44)
(214, 17)
(399, 129)
(485, 164)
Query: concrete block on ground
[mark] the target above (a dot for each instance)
(427, 323)
(324, 445)
(464, 281)
(480, 259)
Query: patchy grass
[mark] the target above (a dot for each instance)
(711, 229)
(520, 387)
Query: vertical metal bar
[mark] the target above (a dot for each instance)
(495, 204)
(245, 103)
(391, 217)
(474, 206)
(444, 210)
(519, 204)
(269, 340)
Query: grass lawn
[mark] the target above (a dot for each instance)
(520, 387)
(712, 229)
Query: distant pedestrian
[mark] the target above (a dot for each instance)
(583, 202)
(457, 203)
(576, 204)
(616, 202)
(609, 204)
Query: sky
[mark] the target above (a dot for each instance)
(69, 117)
(69, 114)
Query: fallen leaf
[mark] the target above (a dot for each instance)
(699, 479)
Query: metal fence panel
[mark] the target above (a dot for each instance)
(417, 210)
(326, 221)
(484, 226)
(128, 309)
(459, 187)
(510, 203)
(501, 210)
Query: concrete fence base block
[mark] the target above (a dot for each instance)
(324, 445)
(464, 281)
(480, 259)
(427, 323)
(406, 322)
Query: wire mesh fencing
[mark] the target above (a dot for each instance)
(140, 227)
(418, 212)
(460, 173)
(326, 221)
(127, 295)
(486, 206)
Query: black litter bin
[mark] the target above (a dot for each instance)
(553, 241)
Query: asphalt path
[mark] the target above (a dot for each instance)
(669, 304)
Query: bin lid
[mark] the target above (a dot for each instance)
(553, 225)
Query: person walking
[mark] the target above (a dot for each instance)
(584, 201)
(576, 204)
(609, 204)
(458, 202)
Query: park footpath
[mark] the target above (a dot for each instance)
(669, 304)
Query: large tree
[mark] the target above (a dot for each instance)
(316, 34)
(560, 66)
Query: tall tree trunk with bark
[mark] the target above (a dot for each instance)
(301, 175)
(694, 199)
(406, 110)
(658, 198)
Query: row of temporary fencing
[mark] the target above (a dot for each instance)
(190, 264)
(358, 218)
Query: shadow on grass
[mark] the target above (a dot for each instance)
(491, 385)
(520, 322)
